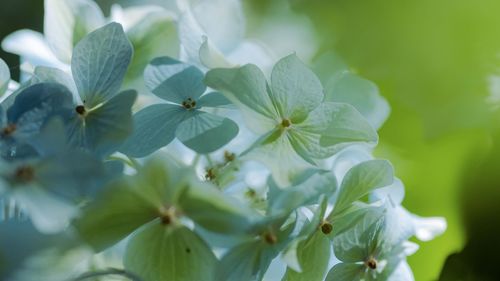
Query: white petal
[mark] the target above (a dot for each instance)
(131, 16)
(222, 20)
(402, 273)
(211, 57)
(32, 47)
(251, 51)
(395, 192)
(428, 228)
(60, 19)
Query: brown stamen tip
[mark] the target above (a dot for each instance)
(210, 174)
(228, 156)
(166, 219)
(326, 227)
(25, 174)
(80, 109)
(371, 263)
(189, 103)
(270, 238)
(9, 129)
(286, 123)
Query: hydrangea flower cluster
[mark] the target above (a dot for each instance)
(161, 145)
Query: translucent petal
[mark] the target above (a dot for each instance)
(173, 80)
(99, 63)
(158, 252)
(211, 57)
(346, 272)
(154, 128)
(428, 228)
(296, 90)
(206, 132)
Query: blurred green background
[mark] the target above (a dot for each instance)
(434, 61)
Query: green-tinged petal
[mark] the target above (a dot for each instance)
(246, 262)
(99, 63)
(154, 128)
(158, 252)
(154, 36)
(277, 153)
(307, 145)
(361, 240)
(346, 272)
(4, 77)
(338, 124)
(296, 89)
(305, 191)
(116, 213)
(104, 128)
(206, 132)
(360, 180)
(53, 75)
(216, 100)
(313, 255)
(360, 93)
(173, 80)
(67, 21)
(247, 88)
(214, 211)
(328, 64)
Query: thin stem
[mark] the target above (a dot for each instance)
(209, 160)
(109, 271)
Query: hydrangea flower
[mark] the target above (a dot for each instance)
(100, 118)
(45, 187)
(4, 77)
(184, 116)
(151, 205)
(297, 127)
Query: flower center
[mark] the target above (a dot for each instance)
(80, 109)
(270, 238)
(24, 174)
(8, 130)
(189, 103)
(285, 123)
(326, 227)
(371, 263)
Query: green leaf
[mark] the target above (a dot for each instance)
(154, 36)
(214, 211)
(173, 80)
(344, 124)
(104, 128)
(346, 272)
(313, 255)
(116, 213)
(99, 63)
(4, 77)
(362, 179)
(360, 93)
(295, 88)
(67, 21)
(154, 128)
(247, 88)
(158, 252)
(246, 262)
(205, 132)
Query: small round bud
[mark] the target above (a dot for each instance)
(24, 174)
(9, 129)
(270, 238)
